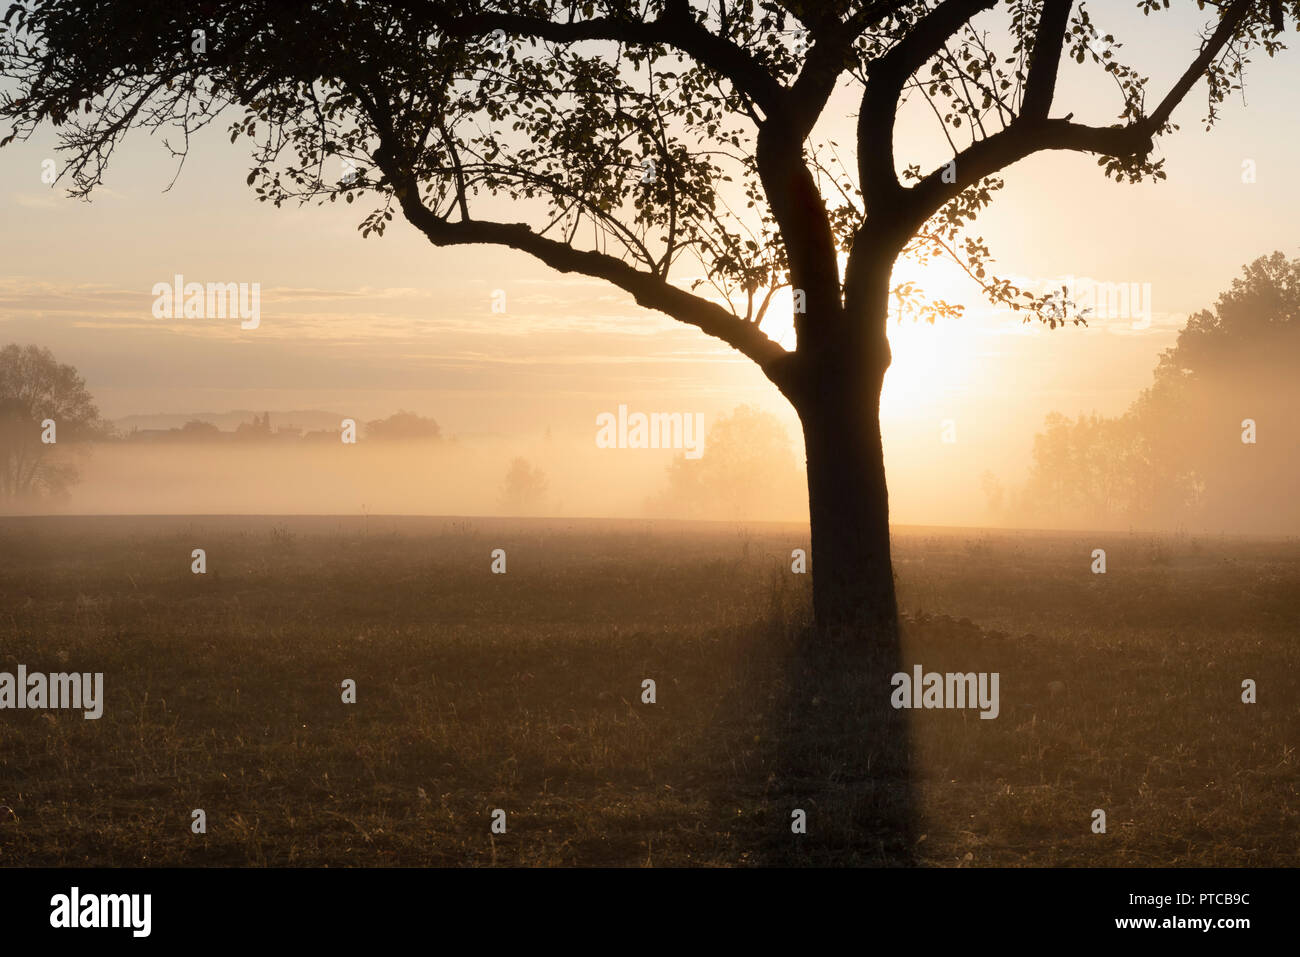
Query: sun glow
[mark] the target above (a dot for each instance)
(928, 357)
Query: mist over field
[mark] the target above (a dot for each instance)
(417, 478)
(1078, 473)
(1187, 430)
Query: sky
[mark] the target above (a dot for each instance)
(367, 327)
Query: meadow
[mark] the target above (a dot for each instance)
(523, 691)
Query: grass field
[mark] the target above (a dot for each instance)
(522, 692)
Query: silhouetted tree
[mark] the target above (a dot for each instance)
(1177, 455)
(403, 425)
(197, 429)
(34, 388)
(1235, 362)
(258, 429)
(525, 487)
(646, 125)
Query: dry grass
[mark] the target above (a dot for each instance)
(522, 692)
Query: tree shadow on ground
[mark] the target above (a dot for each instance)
(827, 743)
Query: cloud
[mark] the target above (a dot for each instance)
(39, 201)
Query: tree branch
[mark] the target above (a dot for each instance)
(1030, 133)
(1040, 84)
(647, 289)
(885, 81)
(674, 27)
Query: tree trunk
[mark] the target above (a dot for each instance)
(842, 680)
(853, 577)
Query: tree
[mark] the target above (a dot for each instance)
(1255, 322)
(35, 389)
(199, 430)
(1234, 362)
(646, 125)
(258, 429)
(747, 471)
(525, 486)
(1177, 456)
(403, 425)
(1088, 471)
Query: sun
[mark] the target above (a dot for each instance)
(927, 357)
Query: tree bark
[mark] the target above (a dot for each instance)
(848, 500)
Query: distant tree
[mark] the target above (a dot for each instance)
(994, 493)
(200, 430)
(1255, 324)
(34, 387)
(403, 425)
(1235, 362)
(1177, 455)
(525, 487)
(259, 428)
(1085, 471)
(747, 471)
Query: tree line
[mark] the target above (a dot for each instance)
(1212, 443)
(49, 419)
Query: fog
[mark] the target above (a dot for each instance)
(1221, 460)
(1206, 442)
(466, 477)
